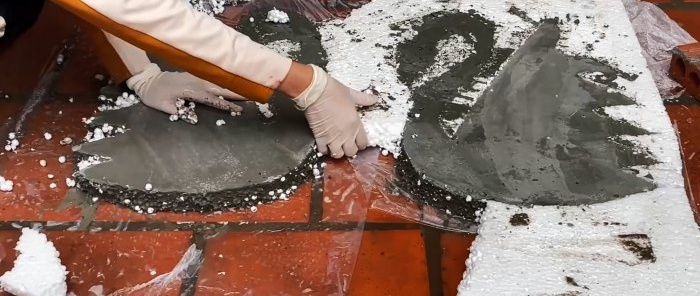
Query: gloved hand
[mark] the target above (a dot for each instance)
(162, 90)
(330, 109)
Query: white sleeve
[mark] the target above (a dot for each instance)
(134, 58)
(176, 23)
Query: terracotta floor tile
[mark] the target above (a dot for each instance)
(281, 263)
(687, 118)
(391, 263)
(32, 197)
(455, 251)
(296, 209)
(25, 60)
(112, 260)
(344, 196)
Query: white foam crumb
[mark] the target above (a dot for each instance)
(220, 122)
(47, 136)
(6, 185)
(62, 159)
(122, 101)
(52, 185)
(88, 120)
(97, 290)
(12, 142)
(70, 100)
(251, 19)
(50, 176)
(253, 209)
(59, 59)
(37, 271)
(234, 114)
(284, 47)
(42, 162)
(150, 210)
(277, 16)
(99, 77)
(86, 163)
(265, 110)
(70, 182)
(173, 117)
(66, 141)
(148, 187)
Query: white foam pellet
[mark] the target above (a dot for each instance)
(62, 159)
(70, 182)
(6, 185)
(253, 209)
(150, 210)
(220, 122)
(148, 187)
(52, 185)
(277, 16)
(47, 136)
(42, 163)
(50, 176)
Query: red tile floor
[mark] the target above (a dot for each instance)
(314, 244)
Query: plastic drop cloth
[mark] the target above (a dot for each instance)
(658, 35)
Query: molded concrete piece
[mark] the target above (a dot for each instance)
(207, 166)
(537, 135)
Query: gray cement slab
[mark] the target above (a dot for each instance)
(537, 135)
(207, 167)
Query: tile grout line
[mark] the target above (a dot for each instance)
(188, 286)
(104, 226)
(316, 204)
(433, 259)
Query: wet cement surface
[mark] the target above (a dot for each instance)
(537, 135)
(207, 167)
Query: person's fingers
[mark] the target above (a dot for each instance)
(350, 148)
(336, 149)
(166, 107)
(363, 99)
(322, 147)
(361, 139)
(215, 102)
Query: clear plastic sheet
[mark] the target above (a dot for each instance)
(378, 178)
(658, 35)
(168, 283)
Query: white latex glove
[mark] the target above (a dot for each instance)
(2, 26)
(330, 109)
(165, 91)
